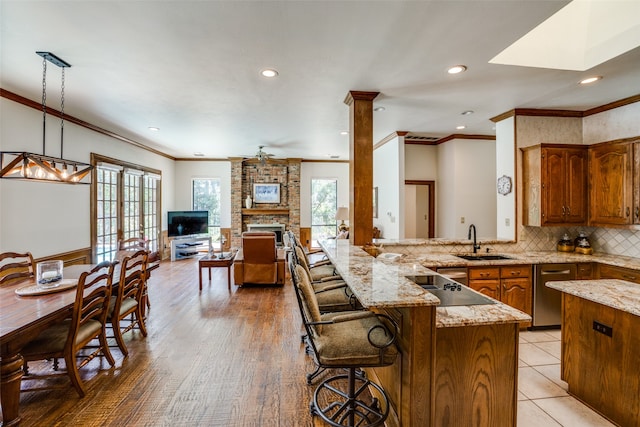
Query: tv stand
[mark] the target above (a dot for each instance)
(186, 247)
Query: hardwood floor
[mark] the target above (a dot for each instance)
(216, 358)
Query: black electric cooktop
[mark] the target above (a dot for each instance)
(450, 292)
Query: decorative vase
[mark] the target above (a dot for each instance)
(248, 202)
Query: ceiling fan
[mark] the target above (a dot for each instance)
(262, 156)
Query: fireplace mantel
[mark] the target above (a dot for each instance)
(266, 211)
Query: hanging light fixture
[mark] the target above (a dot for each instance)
(263, 157)
(40, 167)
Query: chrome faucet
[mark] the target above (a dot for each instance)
(475, 245)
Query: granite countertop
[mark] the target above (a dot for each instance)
(437, 260)
(615, 293)
(382, 284)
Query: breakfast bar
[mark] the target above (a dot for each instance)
(600, 342)
(458, 365)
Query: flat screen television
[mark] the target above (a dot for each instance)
(187, 223)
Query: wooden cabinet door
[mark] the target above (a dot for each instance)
(636, 183)
(518, 294)
(611, 184)
(553, 186)
(490, 288)
(576, 189)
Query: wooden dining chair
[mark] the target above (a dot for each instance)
(66, 339)
(15, 266)
(130, 246)
(130, 298)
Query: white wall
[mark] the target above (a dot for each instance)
(505, 165)
(421, 162)
(319, 170)
(45, 218)
(467, 189)
(186, 171)
(388, 176)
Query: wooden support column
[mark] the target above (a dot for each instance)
(360, 166)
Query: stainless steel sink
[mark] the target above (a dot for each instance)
(472, 257)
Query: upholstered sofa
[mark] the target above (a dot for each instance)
(259, 261)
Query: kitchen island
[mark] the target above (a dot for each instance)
(458, 365)
(601, 346)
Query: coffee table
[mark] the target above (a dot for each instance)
(212, 261)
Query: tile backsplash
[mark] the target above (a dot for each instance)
(604, 240)
(535, 239)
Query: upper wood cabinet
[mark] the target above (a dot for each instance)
(636, 182)
(555, 184)
(611, 183)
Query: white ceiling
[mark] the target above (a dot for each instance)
(191, 68)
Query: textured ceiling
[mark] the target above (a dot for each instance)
(191, 68)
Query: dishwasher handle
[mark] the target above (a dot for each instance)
(554, 272)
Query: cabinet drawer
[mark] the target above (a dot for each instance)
(515, 271)
(484, 273)
(612, 272)
(584, 271)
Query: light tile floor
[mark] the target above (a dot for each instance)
(542, 396)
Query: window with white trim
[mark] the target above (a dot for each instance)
(324, 204)
(205, 196)
(126, 204)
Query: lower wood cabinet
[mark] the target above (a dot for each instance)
(612, 272)
(585, 271)
(600, 358)
(509, 284)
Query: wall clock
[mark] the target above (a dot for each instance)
(504, 185)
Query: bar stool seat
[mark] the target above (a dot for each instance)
(349, 340)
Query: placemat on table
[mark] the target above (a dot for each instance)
(33, 290)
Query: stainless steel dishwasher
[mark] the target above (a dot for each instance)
(547, 302)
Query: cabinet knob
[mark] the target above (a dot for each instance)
(515, 273)
(637, 212)
(563, 211)
(628, 211)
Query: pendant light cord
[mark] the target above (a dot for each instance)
(44, 104)
(62, 116)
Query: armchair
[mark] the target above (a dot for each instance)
(259, 261)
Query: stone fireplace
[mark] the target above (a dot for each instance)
(245, 173)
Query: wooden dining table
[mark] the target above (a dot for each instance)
(22, 318)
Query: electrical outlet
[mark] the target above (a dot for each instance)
(603, 329)
(507, 222)
(461, 220)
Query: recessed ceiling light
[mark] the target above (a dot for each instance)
(198, 154)
(344, 132)
(269, 72)
(460, 127)
(590, 80)
(379, 109)
(457, 69)
(153, 129)
(466, 113)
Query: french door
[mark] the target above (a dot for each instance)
(125, 203)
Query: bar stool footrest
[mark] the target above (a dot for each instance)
(352, 407)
